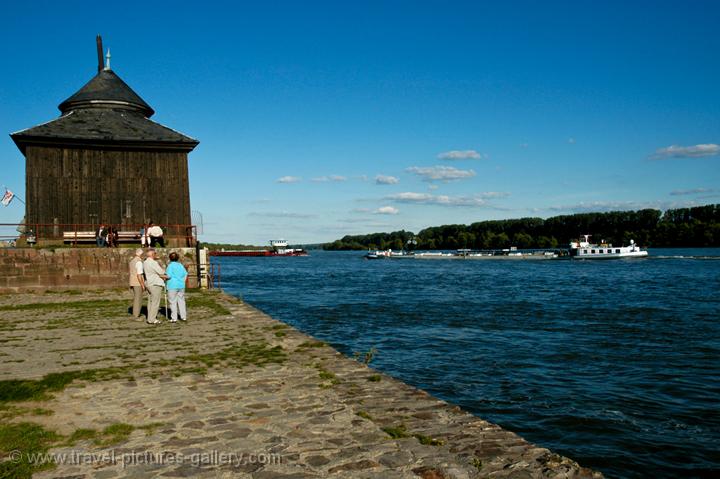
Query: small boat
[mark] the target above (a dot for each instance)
(586, 250)
(389, 254)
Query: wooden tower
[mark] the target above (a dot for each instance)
(104, 161)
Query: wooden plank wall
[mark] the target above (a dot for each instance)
(79, 186)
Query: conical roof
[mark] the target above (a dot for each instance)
(106, 90)
(105, 112)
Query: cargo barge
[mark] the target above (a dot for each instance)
(277, 248)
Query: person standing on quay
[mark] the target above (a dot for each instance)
(137, 282)
(144, 239)
(176, 288)
(100, 235)
(156, 235)
(154, 282)
(112, 237)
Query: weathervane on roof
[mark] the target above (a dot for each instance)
(107, 60)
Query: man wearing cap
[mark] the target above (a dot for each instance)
(137, 282)
(154, 282)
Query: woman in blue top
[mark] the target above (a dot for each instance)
(176, 288)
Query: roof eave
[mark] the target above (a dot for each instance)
(23, 141)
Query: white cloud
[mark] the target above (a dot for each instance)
(333, 178)
(440, 173)
(694, 191)
(479, 199)
(460, 155)
(386, 210)
(694, 151)
(432, 187)
(289, 179)
(386, 180)
(494, 194)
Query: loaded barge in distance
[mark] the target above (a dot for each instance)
(510, 253)
(277, 248)
(582, 249)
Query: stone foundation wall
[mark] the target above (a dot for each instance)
(40, 269)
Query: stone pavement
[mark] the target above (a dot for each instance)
(231, 393)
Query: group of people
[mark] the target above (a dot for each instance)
(106, 236)
(150, 235)
(149, 275)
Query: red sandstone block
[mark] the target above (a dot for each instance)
(80, 280)
(22, 281)
(51, 280)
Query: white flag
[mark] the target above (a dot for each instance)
(7, 197)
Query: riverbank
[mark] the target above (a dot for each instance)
(231, 393)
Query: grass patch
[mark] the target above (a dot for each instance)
(375, 378)
(208, 302)
(237, 355)
(401, 432)
(71, 292)
(328, 377)
(81, 435)
(312, 344)
(397, 432)
(38, 411)
(151, 428)
(38, 389)
(82, 305)
(427, 440)
(114, 434)
(280, 334)
(29, 440)
(364, 415)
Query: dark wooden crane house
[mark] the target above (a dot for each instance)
(103, 161)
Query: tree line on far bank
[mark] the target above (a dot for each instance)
(683, 227)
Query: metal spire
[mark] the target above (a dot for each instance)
(107, 60)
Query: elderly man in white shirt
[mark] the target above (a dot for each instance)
(155, 233)
(154, 283)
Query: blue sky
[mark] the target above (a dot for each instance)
(320, 119)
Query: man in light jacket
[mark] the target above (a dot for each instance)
(137, 281)
(154, 282)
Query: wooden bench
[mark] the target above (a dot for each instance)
(89, 237)
(79, 236)
(128, 237)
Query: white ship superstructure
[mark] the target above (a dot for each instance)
(585, 250)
